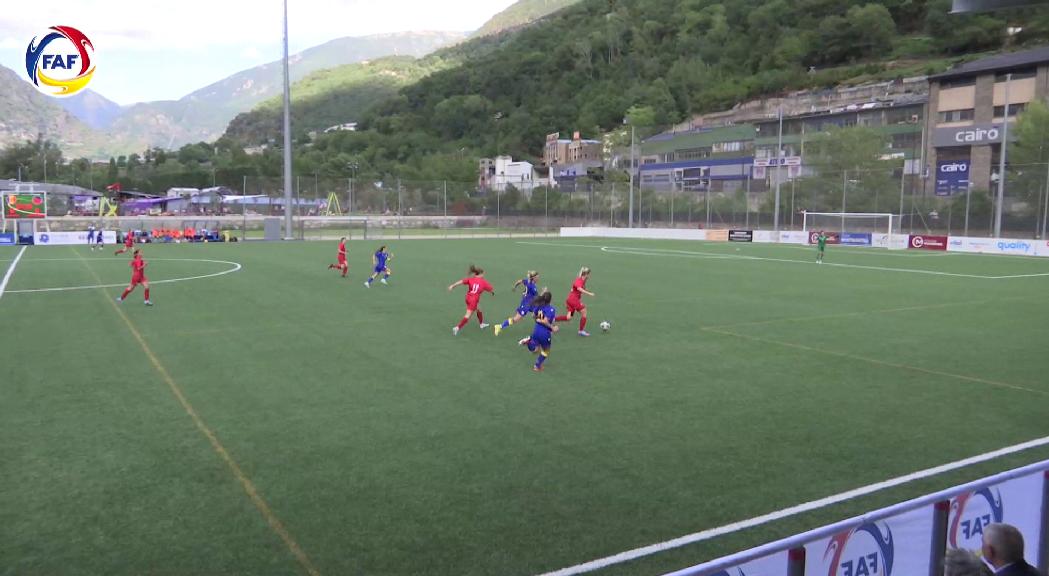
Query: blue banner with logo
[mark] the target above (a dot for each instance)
(856, 239)
(952, 177)
(7, 238)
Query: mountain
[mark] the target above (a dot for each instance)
(91, 108)
(521, 13)
(204, 114)
(328, 97)
(244, 89)
(343, 94)
(26, 113)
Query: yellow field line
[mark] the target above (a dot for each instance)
(249, 486)
(875, 361)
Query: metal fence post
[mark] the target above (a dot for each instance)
(1043, 541)
(796, 561)
(940, 514)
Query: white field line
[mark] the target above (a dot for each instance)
(10, 271)
(234, 267)
(641, 251)
(712, 533)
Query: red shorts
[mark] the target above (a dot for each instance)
(138, 279)
(573, 305)
(471, 303)
(342, 259)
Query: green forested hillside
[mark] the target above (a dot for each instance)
(583, 69)
(329, 97)
(521, 13)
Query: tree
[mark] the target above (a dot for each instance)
(31, 157)
(114, 170)
(1029, 156)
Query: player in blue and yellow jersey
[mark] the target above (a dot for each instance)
(525, 308)
(542, 335)
(379, 260)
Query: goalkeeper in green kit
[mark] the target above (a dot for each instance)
(821, 246)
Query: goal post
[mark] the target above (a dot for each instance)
(878, 229)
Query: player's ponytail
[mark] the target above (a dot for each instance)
(584, 271)
(543, 299)
(476, 270)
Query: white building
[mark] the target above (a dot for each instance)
(504, 172)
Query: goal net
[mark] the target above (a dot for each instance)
(856, 228)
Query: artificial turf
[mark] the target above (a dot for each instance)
(736, 380)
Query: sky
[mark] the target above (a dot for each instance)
(162, 50)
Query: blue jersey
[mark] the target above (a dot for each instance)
(525, 308)
(541, 333)
(98, 237)
(90, 233)
(529, 294)
(380, 260)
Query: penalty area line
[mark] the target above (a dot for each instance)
(712, 533)
(10, 271)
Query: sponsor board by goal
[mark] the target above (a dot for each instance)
(926, 242)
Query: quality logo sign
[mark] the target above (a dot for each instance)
(59, 61)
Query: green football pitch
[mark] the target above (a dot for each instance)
(269, 417)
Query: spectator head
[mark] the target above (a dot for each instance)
(1002, 545)
(960, 562)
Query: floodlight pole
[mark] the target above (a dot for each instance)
(1001, 162)
(630, 215)
(287, 134)
(779, 172)
(1045, 211)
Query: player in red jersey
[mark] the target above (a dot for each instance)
(129, 243)
(138, 276)
(575, 301)
(475, 286)
(342, 265)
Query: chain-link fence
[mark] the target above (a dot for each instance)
(356, 207)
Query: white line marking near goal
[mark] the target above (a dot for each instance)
(642, 251)
(10, 271)
(792, 511)
(234, 267)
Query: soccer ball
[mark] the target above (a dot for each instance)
(605, 326)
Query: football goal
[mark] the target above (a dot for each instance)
(882, 227)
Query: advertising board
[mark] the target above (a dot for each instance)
(69, 238)
(926, 242)
(832, 237)
(856, 239)
(25, 205)
(740, 235)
